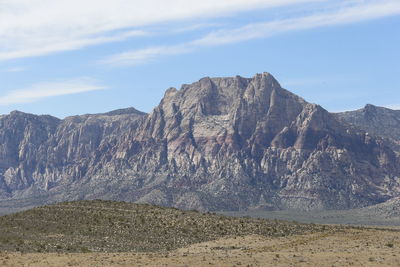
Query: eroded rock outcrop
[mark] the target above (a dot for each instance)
(217, 144)
(376, 121)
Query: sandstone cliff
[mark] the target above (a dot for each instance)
(217, 144)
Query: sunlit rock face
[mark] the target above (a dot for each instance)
(217, 144)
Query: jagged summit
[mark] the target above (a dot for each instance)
(379, 121)
(21, 114)
(217, 96)
(370, 106)
(123, 111)
(17, 112)
(216, 144)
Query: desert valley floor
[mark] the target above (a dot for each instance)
(350, 247)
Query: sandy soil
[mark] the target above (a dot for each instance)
(347, 248)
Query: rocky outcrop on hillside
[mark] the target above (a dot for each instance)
(385, 210)
(377, 121)
(217, 144)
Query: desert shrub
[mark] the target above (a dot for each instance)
(84, 250)
(390, 245)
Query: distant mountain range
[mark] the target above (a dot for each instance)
(217, 144)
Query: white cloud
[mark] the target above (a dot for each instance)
(15, 69)
(39, 27)
(145, 55)
(47, 45)
(393, 106)
(360, 11)
(40, 91)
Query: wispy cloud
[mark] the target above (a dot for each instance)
(393, 106)
(47, 45)
(39, 27)
(146, 55)
(43, 90)
(15, 69)
(357, 11)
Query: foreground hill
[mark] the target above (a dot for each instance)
(106, 226)
(348, 247)
(218, 144)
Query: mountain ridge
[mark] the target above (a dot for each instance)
(217, 144)
(375, 120)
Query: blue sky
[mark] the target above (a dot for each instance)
(70, 57)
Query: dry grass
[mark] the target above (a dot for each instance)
(351, 247)
(105, 233)
(106, 226)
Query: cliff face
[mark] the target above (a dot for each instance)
(377, 121)
(42, 152)
(217, 144)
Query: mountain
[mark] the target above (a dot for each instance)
(41, 152)
(217, 144)
(378, 121)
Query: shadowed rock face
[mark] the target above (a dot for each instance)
(217, 144)
(377, 121)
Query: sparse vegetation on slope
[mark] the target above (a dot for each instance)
(107, 226)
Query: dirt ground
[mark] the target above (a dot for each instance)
(347, 248)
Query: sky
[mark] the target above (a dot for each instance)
(70, 57)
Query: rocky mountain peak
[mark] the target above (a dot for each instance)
(370, 106)
(371, 111)
(240, 109)
(218, 96)
(124, 111)
(16, 113)
(216, 144)
(378, 121)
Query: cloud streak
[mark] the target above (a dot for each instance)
(15, 69)
(358, 13)
(44, 90)
(145, 55)
(40, 27)
(44, 46)
(393, 106)
(362, 11)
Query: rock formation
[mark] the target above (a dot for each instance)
(217, 144)
(377, 121)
